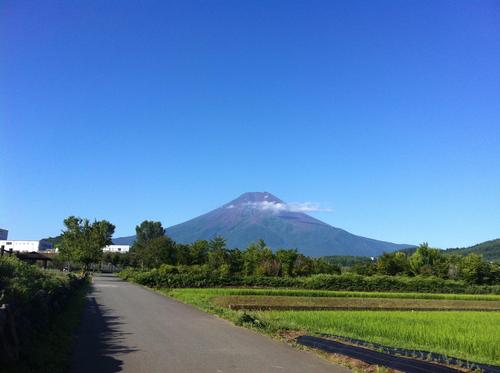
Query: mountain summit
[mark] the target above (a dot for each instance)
(261, 215)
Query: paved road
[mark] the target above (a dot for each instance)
(126, 328)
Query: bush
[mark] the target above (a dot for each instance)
(34, 296)
(201, 277)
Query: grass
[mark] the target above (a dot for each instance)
(467, 335)
(335, 294)
(260, 302)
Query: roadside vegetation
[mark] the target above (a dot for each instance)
(39, 314)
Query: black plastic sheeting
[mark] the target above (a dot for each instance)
(386, 359)
(418, 354)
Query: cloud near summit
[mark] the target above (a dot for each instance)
(278, 206)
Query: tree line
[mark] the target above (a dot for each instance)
(82, 242)
(427, 261)
(153, 248)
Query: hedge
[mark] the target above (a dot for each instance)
(171, 277)
(33, 297)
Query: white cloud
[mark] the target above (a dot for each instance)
(292, 207)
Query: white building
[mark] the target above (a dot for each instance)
(4, 234)
(116, 249)
(26, 245)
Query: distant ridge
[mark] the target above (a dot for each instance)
(489, 250)
(261, 215)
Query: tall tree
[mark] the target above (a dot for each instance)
(287, 259)
(157, 251)
(148, 230)
(218, 254)
(82, 242)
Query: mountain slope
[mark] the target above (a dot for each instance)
(489, 250)
(257, 215)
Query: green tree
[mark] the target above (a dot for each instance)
(254, 255)
(474, 270)
(148, 230)
(183, 254)
(267, 264)
(303, 266)
(149, 242)
(82, 242)
(320, 265)
(393, 264)
(155, 252)
(236, 261)
(428, 261)
(217, 253)
(287, 259)
(199, 252)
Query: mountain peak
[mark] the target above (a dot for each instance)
(261, 215)
(254, 197)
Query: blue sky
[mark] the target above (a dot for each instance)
(387, 112)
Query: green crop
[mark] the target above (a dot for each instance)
(467, 335)
(329, 293)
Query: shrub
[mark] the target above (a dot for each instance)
(34, 295)
(201, 277)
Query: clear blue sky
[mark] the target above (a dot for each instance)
(387, 112)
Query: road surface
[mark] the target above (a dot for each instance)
(127, 328)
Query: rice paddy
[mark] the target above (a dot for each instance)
(250, 302)
(331, 293)
(468, 335)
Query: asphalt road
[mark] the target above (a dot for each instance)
(127, 328)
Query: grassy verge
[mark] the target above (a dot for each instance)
(260, 302)
(50, 349)
(467, 335)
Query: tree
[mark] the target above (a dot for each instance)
(183, 254)
(155, 252)
(253, 256)
(199, 252)
(235, 260)
(149, 242)
(287, 259)
(424, 260)
(320, 265)
(148, 230)
(303, 265)
(82, 242)
(217, 253)
(393, 264)
(474, 270)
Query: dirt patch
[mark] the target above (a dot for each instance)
(263, 303)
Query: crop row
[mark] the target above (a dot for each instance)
(260, 302)
(337, 294)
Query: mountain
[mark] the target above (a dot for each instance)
(260, 215)
(489, 250)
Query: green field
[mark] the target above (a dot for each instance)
(331, 293)
(467, 335)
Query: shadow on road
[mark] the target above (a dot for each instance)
(100, 341)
